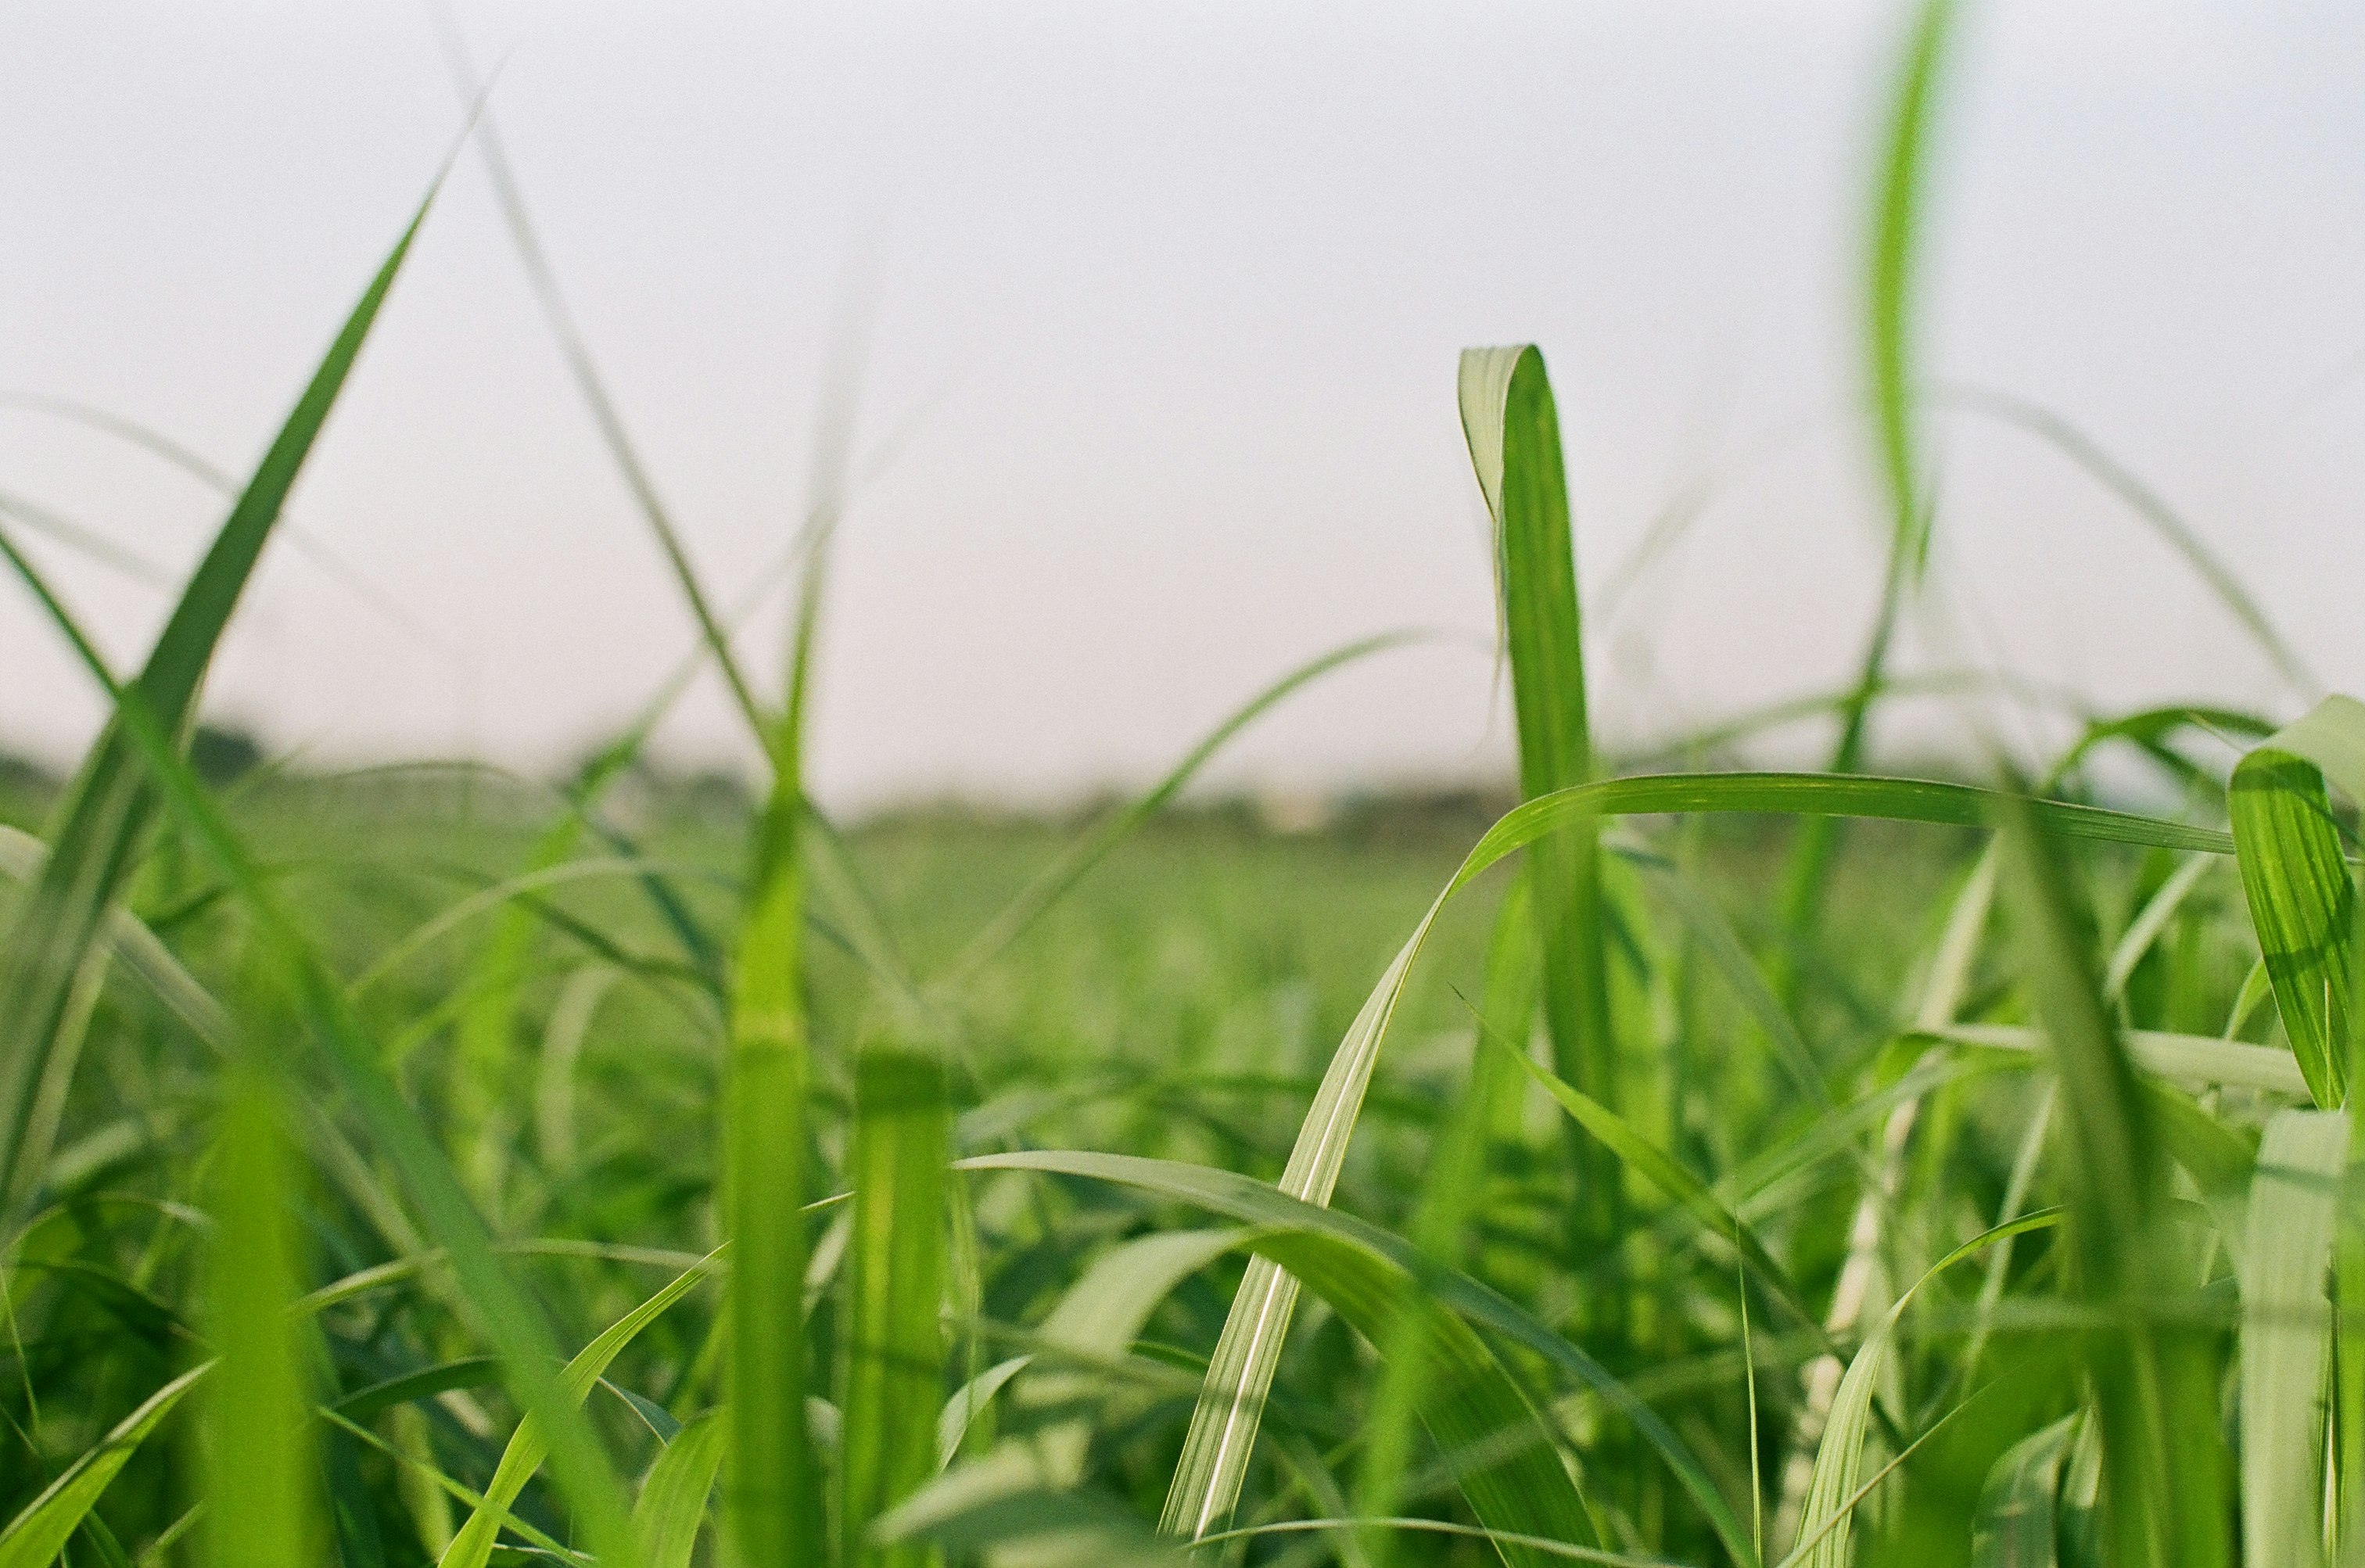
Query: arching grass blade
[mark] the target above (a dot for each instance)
(105, 817)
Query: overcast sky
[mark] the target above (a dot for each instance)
(1165, 305)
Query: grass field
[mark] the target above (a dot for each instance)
(1702, 1167)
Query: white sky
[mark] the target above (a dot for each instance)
(1169, 298)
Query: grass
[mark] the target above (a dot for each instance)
(1714, 1167)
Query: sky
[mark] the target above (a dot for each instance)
(1153, 311)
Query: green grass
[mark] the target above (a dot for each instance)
(1719, 1167)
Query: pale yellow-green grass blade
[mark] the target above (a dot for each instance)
(527, 1447)
(56, 938)
(35, 1537)
(892, 1334)
(1275, 1213)
(2302, 897)
(971, 1401)
(1215, 1453)
(1452, 1193)
(562, 1048)
(1512, 427)
(2196, 1061)
(672, 1506)
(1096, 1322)
(1826, 1525)
(2287, 1335)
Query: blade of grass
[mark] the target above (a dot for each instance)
(1450, 1197)
(1214, 1462)
(1076, 861)
(2152, 508)
(106, 815)
(39, 1533)
(892, 1338)
(528, 1448)
(2017, 1523)
(486, 1291)
(672, 1506)
(2286, 1335)
(1255, 1202)
(262, 1460)
(576, 352)
(771, 1492)
(2155, 1383)
(1512, 427)
(1687, 1191)
(1503, 1456)
(2302, 899)
(1899, 199)
(1833, 1494)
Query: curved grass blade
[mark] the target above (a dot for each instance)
(1688, 1191)
(576, 352)
(1078, 860)
(2287, 1335)
(1215, 1457)
(1898, 213)
(2197, 1062)
(1501, 1454)
(1097, 1321)
(894, 1343)
(2148, 504)
(968, 1402)
(55, 938)
(1512, 427)
(36, 1536)
(673, 1499)
(2302, 900)
(2017, 1523)
(1254, 1203)
(1832, 1493)
(527, 1447)
(485, 1290)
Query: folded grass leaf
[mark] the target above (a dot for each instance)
(1512, 427)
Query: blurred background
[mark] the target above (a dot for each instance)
(1141, 324)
